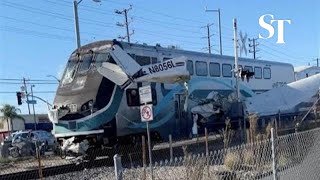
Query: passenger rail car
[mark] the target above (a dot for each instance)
(91, 103)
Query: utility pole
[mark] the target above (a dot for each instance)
(208, 36)
(219, 16)
(125, 13)
(317, 61)
(26, 91)
(253, 45)
(34, 112)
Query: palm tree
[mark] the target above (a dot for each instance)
(10, 112)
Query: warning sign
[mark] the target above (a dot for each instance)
(145, 94)
(146, 112)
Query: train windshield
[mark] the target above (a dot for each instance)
(101, 57)
(85, 62)
(70, 70)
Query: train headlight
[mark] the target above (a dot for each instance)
(80, 82)
(90, 104)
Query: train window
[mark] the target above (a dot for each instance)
(190, 66)
(154, 60)
(201, 68)
(226, 70)
(70, 71)
(257, 72)
(133, 97)
(85, 62)
(100, 58)
(133, 56)
(248, 68)
(143, 60)
(214, 69)
(266, 73)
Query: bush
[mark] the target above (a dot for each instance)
(231, 160)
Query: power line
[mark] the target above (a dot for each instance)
(28, 83)
(97, 23)
(36, 92)
(162, 14)
(282, 54)
(12, 79)
(34, 33)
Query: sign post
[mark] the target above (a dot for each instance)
(146, 113)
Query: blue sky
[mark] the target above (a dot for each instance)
(37, 36)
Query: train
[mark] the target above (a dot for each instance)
(89, 105)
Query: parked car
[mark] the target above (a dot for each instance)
(39, 135)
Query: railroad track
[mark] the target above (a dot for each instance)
(55, 170)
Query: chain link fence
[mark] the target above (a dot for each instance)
(214, 156)
(293, 156)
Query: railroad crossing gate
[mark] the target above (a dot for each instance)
(146, 112)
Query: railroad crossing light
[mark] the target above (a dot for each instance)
(19, 95)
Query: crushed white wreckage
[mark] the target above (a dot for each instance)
(286, 99)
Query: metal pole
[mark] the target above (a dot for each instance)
(127, 24)
(117, 166)
(76, 21)
(236, 70)
(144, 161)
(274, 163)
(26, 91)
(220, 38)
(149, 148)
(170, 147)
(34, 113)
(236, 58)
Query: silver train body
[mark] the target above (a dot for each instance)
(94, 104)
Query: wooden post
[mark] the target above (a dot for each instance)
(207, 149)
(39, 160)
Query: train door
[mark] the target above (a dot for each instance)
(181, 124)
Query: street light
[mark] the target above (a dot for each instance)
(49, 75)
(34, 113)
(220, 40)
(76, 19)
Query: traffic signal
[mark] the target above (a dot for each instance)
(19, 95)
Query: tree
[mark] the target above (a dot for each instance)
(9, 113)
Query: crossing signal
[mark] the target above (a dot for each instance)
(19, 96)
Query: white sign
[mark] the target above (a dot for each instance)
(145, 94)
(146, 112)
